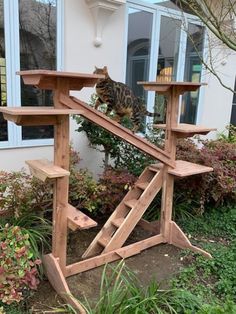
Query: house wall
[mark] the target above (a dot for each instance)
(216, 106)
(80, 55)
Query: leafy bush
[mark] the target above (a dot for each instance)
(21, 193)
(114, 183)
(217, 187)
(18, 269)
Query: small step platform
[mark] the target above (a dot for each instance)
(186, 130)
(43, 169)
(185, 169)
(78, 220)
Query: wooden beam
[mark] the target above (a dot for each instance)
(112, 256)
(58, 282)
(115, 128)
(179, 239)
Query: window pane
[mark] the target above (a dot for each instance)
(138, 50)
(37, 51)
(167, 58)
(3, 90)
(192, 72)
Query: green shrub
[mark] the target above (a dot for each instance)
(21, 193)
(215, 188)
(18, 268)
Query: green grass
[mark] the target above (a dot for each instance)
(214, 280)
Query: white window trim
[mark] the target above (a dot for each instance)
(12, 53)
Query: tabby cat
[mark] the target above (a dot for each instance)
(120, 99)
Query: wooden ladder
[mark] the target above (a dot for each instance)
(128, 213)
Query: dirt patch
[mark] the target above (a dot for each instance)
(160, 263)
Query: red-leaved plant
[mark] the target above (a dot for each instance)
(18, 269)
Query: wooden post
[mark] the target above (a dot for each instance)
(61, 185)
(170, 147)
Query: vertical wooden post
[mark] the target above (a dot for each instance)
(61, 185)
(170, 147)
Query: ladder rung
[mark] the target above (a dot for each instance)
(131, 203)
(142, 185)
(117, 222)
(103, 241)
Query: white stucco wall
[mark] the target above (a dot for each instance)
(216, 105)
(80, 55)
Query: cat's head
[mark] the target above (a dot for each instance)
(103, 71)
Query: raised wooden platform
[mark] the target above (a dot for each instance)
(186, 130)
(164, 87)
(45, 79)
(43, 169)
(35, 115)
(185, 168)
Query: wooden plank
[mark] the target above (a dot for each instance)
(78, 220)
(58, 282)
(186, 168)
(125, 252)
(45, 79)
(60, 193)
(170, 146)
(164, 87)
(44, 169)
(116, 129)
(37, 110)
(186, 130)
(179, 239)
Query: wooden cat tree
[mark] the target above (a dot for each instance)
(108, 244)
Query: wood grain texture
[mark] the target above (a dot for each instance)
(78, 220)
(186, 168)
(44, 169)
(58, 282)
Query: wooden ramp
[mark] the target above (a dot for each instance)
(115, 128)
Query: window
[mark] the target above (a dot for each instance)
(32, 32)
(164, 45)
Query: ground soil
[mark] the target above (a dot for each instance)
(160, 263)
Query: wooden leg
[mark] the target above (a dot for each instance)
(166, 203)
(57, 280)
(60, 195)
(179, 239)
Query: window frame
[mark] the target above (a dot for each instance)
(12, 55)
(185, 19)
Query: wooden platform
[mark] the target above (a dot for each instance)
(78, 220)
(185, 168)
(186, 130)
(164, 87)
(35, 115)
(44, 169)
(45, 79)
